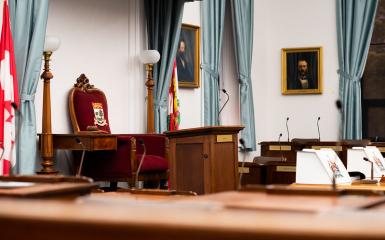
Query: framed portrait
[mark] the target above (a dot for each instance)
(187, 56)
(302, 70)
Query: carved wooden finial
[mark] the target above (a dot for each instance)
(82, 82)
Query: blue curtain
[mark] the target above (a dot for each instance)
(164, 19)
(355, 20)
(243, 19)
(213, 12)
(29, 20)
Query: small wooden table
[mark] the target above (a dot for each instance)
(87, 142)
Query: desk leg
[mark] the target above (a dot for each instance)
(46, 148)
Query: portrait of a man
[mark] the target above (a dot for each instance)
(184, 63)
(301, 71)
(187, 56)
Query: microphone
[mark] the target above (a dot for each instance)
(15, 106)
(223, 106)
(319, 133)
(141, 142)
(280, 147)
(78, 174)
(287, 129)
(243, 149)
(371, 169)
(339, 105)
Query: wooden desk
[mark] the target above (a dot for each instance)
(228, 216)
(49, 190)
(268, 173)
(88, 142)
(380, 145)
(284, 172)
(289, 149)
(44, 186)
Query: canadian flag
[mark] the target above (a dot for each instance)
(9, 97)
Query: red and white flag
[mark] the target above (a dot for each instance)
(9, 97)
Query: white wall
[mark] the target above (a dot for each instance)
(284, 24)
(190, 99)
(229, 78)
(101, 39)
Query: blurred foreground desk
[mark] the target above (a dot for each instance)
(44, 186)
(227, 215)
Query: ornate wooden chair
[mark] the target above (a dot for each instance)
(89, 114)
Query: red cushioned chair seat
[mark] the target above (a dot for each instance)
(152, 163)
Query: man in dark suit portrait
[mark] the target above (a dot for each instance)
(304, 79)
(183, 65)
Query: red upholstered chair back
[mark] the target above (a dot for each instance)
(88, 107)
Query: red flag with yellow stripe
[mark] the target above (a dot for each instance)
(173, 118)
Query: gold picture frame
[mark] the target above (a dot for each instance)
(302, 70)
(188, 56)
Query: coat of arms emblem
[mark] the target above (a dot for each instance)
(99, 114)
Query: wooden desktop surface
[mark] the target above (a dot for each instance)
(44, 186)
(369, 187)
(89, 142)
(49, 190)
(227, 215)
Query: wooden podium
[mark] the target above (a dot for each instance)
(204, 160)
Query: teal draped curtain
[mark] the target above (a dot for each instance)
(213, 12)
(243, 19)
(164, 20)
(355, 20)
(29, 20)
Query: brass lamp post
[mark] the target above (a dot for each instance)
(46, 144)
(149, 58)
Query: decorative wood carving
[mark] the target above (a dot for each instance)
(83, 83)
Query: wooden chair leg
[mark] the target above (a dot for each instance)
(152, 184)
(113, 186)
